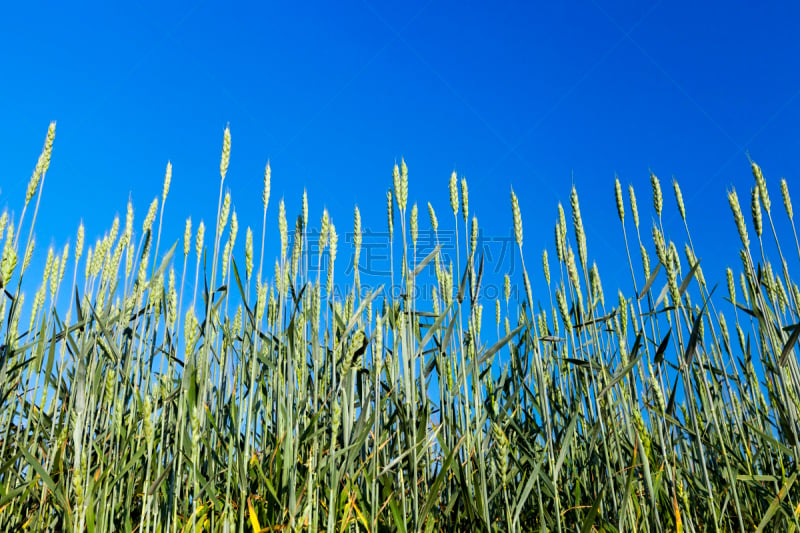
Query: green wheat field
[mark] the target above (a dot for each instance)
(172, 390)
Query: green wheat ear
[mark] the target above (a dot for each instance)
(223, 215)
(201, 232)
(323, 232)
(403, 197)
(517, 217)
(390, 213)
(151, 216)
(634, 209)
(762, 186)
(618, 196)
(679, 199)
(167, 180)
(577, 222)
(733, 200)
(464, 200)
(414, 227)
(265, 193)
(434, 221)
(187, 237)
(454, 193)
(755, 207)
(546, 267)
(283, 228)
(226, 153)
(787, 201)
(658, 201)
(79, 242)
(248, 252)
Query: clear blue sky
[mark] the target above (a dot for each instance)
(534, 96)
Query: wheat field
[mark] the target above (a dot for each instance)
(196, 389)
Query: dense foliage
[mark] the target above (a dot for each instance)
(135, 399)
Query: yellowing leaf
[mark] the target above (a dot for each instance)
(253, 517)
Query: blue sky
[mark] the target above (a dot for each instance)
(534, 96)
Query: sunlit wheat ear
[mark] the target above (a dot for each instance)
(618, 196)
(731, 285)
(562, 222)
(265, 193)
(172, 300)
(403, 194)
(787, 201)
(690, 257)
(679, 198)
(572, 271)
(54, 276)
(129, 251)
(198, 246)
(323, 232)
(658, 201)
(283, 228)
(755, 208)
(645, 261)
(187, 237)
(559, 243)
(546, 267)
(396, 182)
(473, 243)
(517, 218)
(305, 208)
(226, 250)
(297, 244)
(580, 235)
(723, 326)
(507, 288)
(334, 239)
(248, 252)
(79, 242)
(464, 200)
(3, 222)
(434, 221)
(672, 277)
(795, 292)
(151, 216)
(167, 180)
(762, 186)
(223, 215)
(192, 332)
(634, 209)
(661, 247)
(562, 308)
(129, 222)
(743, 282)
(454, 193)
(414, 225)
(390, 213)
(623, 314)
(234, 228)
(733, 200)
(357, 237)
(42, 164)
(673, 255)
(226, 153)
(9, 261)
(64, 257)
(596, 285)
(26, 260)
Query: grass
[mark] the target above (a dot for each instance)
(146, 401)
